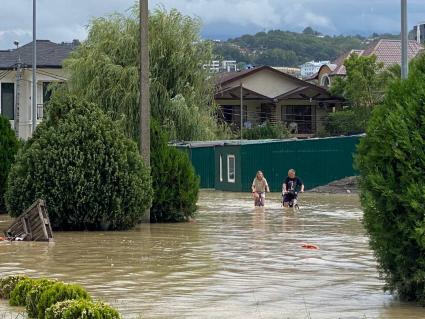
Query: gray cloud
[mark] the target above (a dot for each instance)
(64, 20)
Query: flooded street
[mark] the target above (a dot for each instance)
(234, 262)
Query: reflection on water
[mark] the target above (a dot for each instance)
(235, 261)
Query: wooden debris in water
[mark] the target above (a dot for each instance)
(32, 225)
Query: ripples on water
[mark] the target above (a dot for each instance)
(234, 262)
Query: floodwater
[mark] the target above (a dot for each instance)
(234, 262)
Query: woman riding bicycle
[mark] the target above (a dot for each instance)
(259, 189)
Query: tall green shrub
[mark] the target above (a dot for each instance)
(8, 149)
(80, 161)
(174, 180)
(391, 161)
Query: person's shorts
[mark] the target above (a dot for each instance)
(288, 197)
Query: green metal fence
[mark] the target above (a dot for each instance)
(317, 161)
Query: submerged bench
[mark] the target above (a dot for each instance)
(32, 225)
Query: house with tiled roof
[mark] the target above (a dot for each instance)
(386, 51)
(263, 94)
(16, 81)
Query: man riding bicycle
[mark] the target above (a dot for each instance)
(290, 188)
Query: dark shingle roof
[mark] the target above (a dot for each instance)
(49, 54)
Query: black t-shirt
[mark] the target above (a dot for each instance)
(293, 184)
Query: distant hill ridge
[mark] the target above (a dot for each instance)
(285, 48)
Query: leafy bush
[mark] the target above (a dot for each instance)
(79, 160)
(27, 290)
(349, 121)
(391, 161)
(8, 148)
(56, 293)
(175, 182)
(81, 309)
(8, 284)
(18, 296)
(266, 131)
(34, 294)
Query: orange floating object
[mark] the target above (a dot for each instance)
(310, 246)
(2, 239)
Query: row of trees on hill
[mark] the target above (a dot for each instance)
(285, 48)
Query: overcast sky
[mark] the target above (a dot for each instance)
(64, 20)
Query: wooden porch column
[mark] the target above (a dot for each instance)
(241, 111)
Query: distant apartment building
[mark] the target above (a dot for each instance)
(419, 31)
(217, 66)
(310, 68)
(288, 70)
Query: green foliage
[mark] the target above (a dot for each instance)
(8, 148)
(39, 286)
(57, 293)
(284, 48)
(391, 161)
(8, 284)
(266, 131)
(175, 182)
(81, 309)
(362, 87)
(349, 121)
(105, 70)
(80, 161)
(18, 296)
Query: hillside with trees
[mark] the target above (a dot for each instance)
(285, 48)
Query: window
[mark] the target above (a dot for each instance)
(8, 100)
(300, 116)
(231, 168)
(221, 168)
(267, 110)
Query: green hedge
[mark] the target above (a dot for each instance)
(266, 131)
(8, 284)
(18, 297)
(59, 292)
(46, 298)
(81, 308)
(34, 295)
(346, 122)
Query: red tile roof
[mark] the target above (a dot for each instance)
(386, 51)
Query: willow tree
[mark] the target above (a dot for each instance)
(104, 70)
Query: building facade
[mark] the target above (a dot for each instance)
(16, 81)
(268, 95)
(419, 31)
(310, 68)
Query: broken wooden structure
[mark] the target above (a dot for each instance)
(32, 225)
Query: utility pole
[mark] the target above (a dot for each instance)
(34, 65)
(144, 106)
(18, 96)
(404, 41)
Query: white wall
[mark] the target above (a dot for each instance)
(25, 115)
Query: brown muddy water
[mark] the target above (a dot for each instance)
(234, 262)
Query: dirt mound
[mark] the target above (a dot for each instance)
(345, 185)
